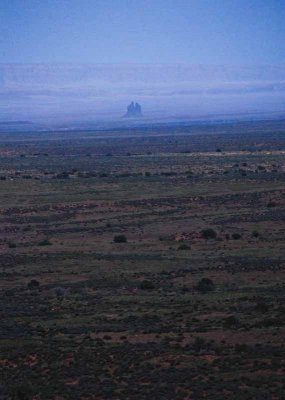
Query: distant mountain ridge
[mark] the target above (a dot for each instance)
(55, 74)
(29, 91)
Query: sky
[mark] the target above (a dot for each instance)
(143, 31)
(85, 59)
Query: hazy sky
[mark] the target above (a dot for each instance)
(142, 31)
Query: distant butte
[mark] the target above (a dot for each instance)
(134, 110)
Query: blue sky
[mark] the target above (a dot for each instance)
(142, 31)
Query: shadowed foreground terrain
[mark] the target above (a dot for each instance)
(145, 264)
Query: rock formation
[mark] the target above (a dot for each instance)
(134, 110)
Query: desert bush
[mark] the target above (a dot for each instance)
(272, 204)
(170, 173)
(59, 292)
(240, 348)
(120, 239)
(272, 321)
(184, 246)
(261, 307)
(23, 392)
(230, 322)
(62, 175)
(199, 343)
(44, 242)
(205, 285)
(209, 233)
(33, 284)
(147, 285)
(236, 236)
(166, 238)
